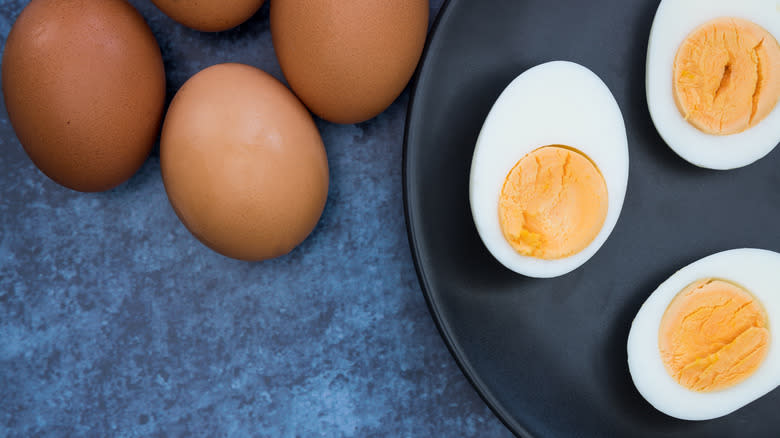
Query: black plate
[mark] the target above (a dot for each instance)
(549, 356)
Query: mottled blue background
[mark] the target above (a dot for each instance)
(115, 321)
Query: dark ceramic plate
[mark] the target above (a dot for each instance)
(549, 355)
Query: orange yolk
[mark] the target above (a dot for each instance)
(727, 76)
(713, 335)
(553, 203)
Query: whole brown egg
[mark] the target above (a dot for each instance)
(209, 15)
(243, 163)
(348, 60)
(84, 86)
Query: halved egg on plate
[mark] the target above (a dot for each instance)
(549, 171)
(713, 79)
(703, 344)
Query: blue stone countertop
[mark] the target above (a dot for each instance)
(115, 321)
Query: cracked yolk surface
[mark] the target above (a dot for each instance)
(553, 203)
(713, 335)
(727, 76)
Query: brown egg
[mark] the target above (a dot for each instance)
(209, 15)
(348, 60)
(84, 87)
(243, 163)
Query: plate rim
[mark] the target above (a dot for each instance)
(444, 331)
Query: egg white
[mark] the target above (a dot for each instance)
(756, 270)
(557, 103)
(674, 21)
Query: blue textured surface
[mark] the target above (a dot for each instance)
(114, 321)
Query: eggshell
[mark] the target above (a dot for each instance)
(209, 15)
(84, 86)
(243, 163)
(348, 60)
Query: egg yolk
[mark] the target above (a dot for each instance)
(727, 76)
(553, 203)
(713, 335)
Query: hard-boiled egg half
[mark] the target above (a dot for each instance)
(713, 79)
(703, 344)
(550, 170)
